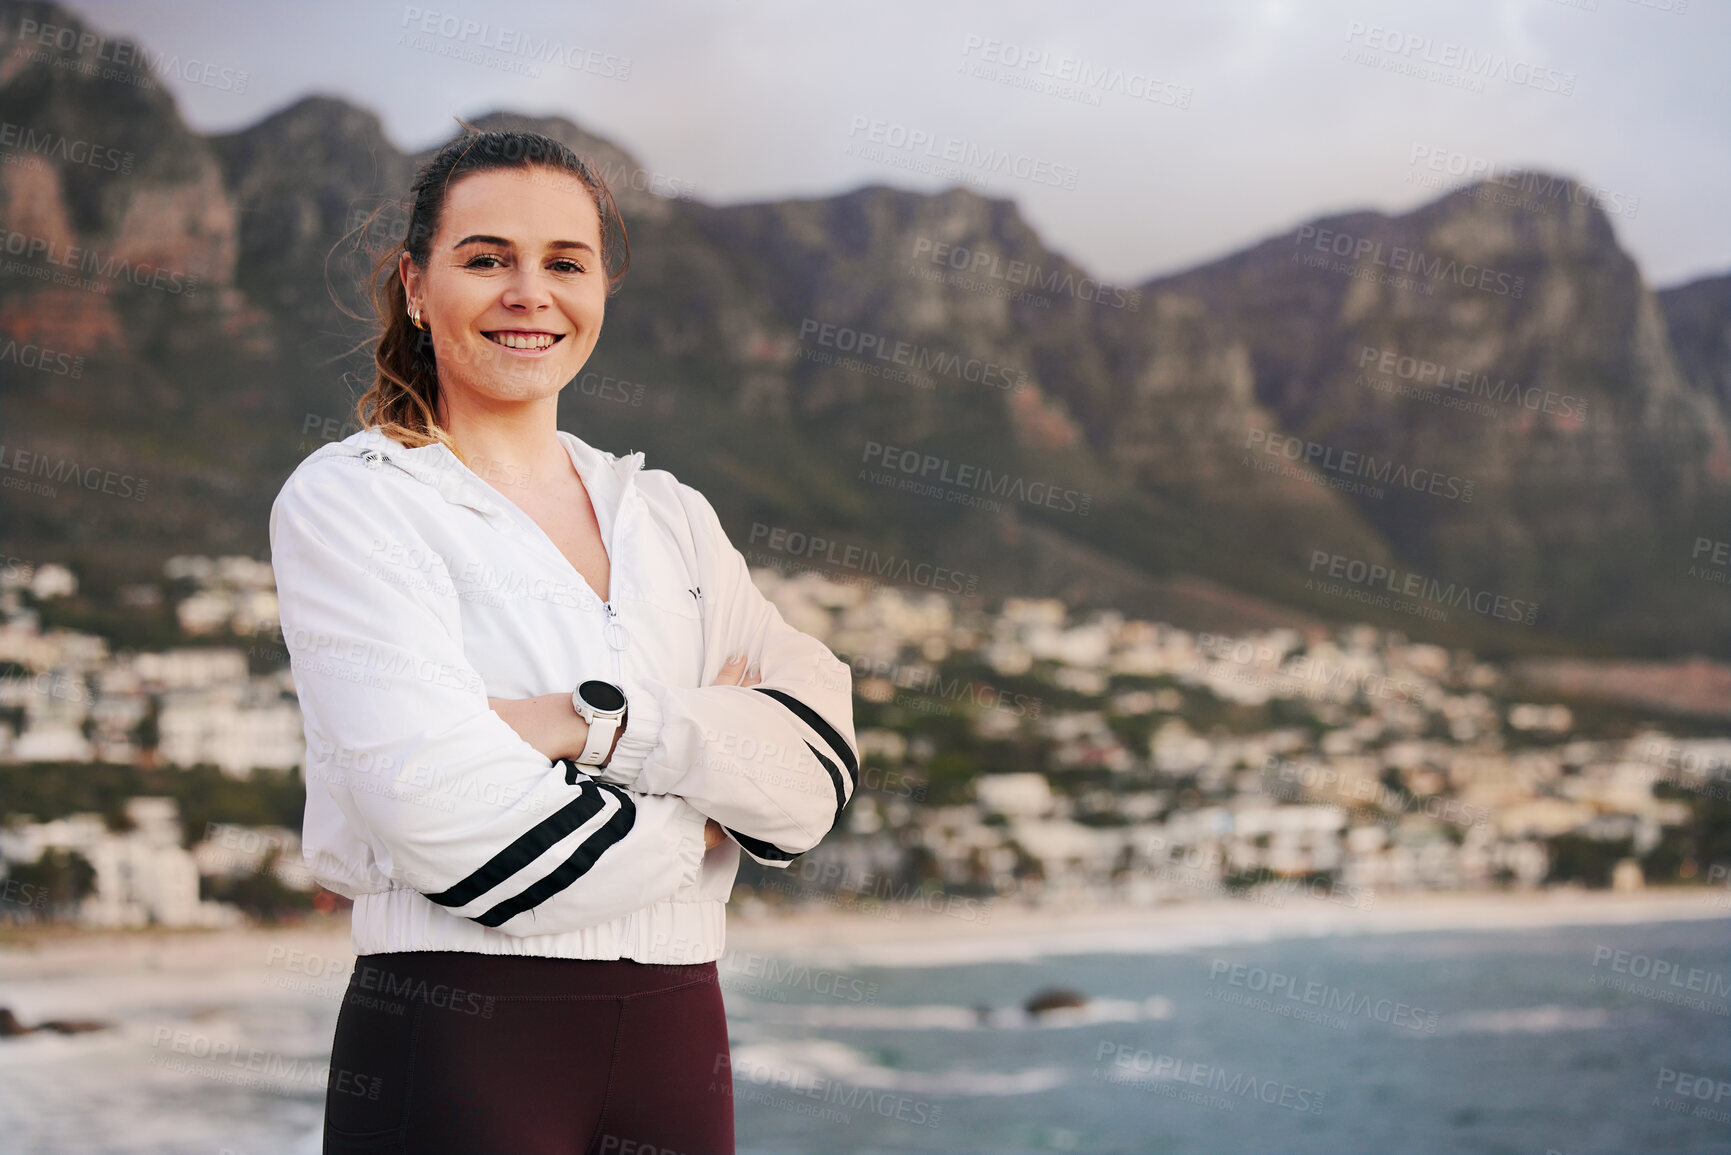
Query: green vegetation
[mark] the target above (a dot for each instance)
(51, 886)
(50, 790)
(261, 894)
(1684, 851)
(1588, 861)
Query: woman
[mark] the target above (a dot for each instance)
(536, 742)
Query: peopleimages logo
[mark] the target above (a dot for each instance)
(841, 877)
(919, 358)
(1352, 463)
(922, 466)
(881, 135)
(978, 262)
(1470, 382)
(1067, 76)
(1373, 575)
(65, 471)
(1291, 781)
(517, 49)
(1718, 554)
(1662, 973)
(1533, 189)
(1163, 1070)
(1416, 52)
(928, 680)
(1404, 260)
(52, 684)
(777, 972)
(863, 559)
(1241, 660)
(1708, 1092)
(85, 260)
(121, 59)
(1309, 992)
(53, 144)
(37, 357)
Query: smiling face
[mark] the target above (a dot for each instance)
(513, 291)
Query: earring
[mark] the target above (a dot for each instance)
(415, 318)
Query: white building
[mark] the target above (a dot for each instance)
(191, 668)
(53, 581)
(238, 851)
(240, 728)
(50, 743)
(1025, 795)
(143, 876)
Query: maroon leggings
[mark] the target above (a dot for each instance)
(440, 1052)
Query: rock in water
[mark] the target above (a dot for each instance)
(1054, 999)
(10, 1027)
(71, 1026)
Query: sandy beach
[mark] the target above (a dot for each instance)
(1016, 931)
(886, 1003)
(913, 936)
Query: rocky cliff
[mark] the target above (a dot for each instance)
(1481, 394)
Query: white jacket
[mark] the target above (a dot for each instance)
(411, 591)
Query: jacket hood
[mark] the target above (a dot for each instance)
(437, 466)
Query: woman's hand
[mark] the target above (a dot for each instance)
(735, 673)
(547, 723)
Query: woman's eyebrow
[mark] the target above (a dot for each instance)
(484, 239)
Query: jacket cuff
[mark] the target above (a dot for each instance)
(642, 734)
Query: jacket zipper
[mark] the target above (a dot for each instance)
(607, 632)
(611, 629)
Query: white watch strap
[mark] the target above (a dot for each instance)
(598, 742)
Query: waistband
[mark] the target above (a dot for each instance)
(434, 974)
(402, 920)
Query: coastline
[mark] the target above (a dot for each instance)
(1019, 932)
(914, 936)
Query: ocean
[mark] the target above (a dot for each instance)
(1568, 1039)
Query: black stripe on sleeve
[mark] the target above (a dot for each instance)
(574, 867)
(775, 853)
(760, 848)
(825, 731)
(525, 849)
(834, 777)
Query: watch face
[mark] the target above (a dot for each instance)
(602, 696)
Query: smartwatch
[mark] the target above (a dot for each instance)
(602, 705)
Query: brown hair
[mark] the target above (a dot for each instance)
(404, 400)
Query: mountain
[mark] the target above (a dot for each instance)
(121, 315)
(1698, 318)
(1137, 436)
(1519, 351)
(1141, 421)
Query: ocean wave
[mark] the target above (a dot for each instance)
(944, 1017)
(1543, 1020)
(803, 1063)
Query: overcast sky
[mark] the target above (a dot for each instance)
(1220, 122)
